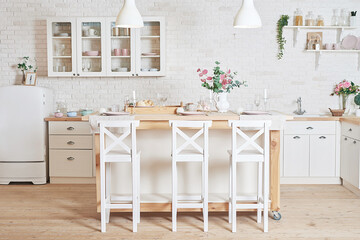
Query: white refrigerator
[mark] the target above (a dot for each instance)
(23, 133)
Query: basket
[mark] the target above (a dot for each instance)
(337, 112)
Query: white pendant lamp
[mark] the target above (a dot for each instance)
(247, 16)
(129, 16)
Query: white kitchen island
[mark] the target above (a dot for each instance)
(154, 142)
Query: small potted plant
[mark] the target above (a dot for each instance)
(220, 83)
(357, 102)
(26, 66)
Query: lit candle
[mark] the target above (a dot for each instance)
(134, 94)
(265, 93)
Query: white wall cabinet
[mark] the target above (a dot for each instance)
(89, 47)
(350, 154)
(311, 152)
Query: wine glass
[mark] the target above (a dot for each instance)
(257, 101)
(163, 99)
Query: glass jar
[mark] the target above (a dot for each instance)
(343, 20)
(335, 18)
(320, 21)
(298, 17)
(310, 19)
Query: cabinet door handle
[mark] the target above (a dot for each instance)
(137, 74)
(78, 74)
(350, 130)
(354, 142)
(309, 128)
(70, 158)
(322, 137)
(74, 74)
(345, 139)
(296, 137)
(70, 143)
(70, 128)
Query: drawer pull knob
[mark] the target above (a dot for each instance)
(322, 137)
(309, 128)
(70, 143)
(354, 142)
(350, 130)
(70, 128)
(296, 137)
(345, 139)
(70, 158)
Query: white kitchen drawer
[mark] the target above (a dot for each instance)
(310, 127)
(70, 163)
(350, 130)
(69, 128)
(70, 142)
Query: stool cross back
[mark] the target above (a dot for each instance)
(118, 152)
(198, 154)
(250, 151)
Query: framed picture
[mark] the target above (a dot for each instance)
(30, 79)
(314, 38)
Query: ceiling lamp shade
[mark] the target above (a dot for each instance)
(247, 16)
(129, 16)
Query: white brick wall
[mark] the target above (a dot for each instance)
(198, 33)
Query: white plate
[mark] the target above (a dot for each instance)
(115, 113)
(192, 113)
(255, 113)
(349, 42)
(148, 54)
(358, 44)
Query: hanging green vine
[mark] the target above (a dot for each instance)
(283, 21)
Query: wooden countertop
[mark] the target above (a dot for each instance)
(353, 120)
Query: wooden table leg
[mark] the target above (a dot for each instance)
(97, 165)
(275, 170)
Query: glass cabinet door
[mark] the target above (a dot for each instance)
(61, 47)
(91, 47)
(120, 50)
(151, 47)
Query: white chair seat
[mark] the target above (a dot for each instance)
(248, 156)
(119, 156)
(189, 156)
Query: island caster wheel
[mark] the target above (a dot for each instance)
(276, 215)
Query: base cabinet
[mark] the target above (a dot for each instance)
(71, 152)
(310, 152)
(350, 158)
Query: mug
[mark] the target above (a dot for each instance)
(92, 32)
(125, 52)
(336, 46)
(117, 52)
(328, 46)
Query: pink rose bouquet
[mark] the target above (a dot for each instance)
(219, 81)
(345, 88)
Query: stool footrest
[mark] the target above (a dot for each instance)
(118, 206)
(189, 198)
(249, 206)
(121, 198)
(190, 205)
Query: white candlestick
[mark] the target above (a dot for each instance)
(265, 93)
(134, 94)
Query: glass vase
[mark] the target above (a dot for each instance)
(343, 101)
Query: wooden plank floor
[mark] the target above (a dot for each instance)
(68, 212)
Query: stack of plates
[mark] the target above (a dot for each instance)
(351, 42)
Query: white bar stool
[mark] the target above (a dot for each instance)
(199, 154)
(242, 154)
(122, 154)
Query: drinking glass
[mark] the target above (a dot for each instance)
(163, 99)
(257, 101)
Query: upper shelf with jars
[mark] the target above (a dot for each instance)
(96, 47)
(345, 21)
